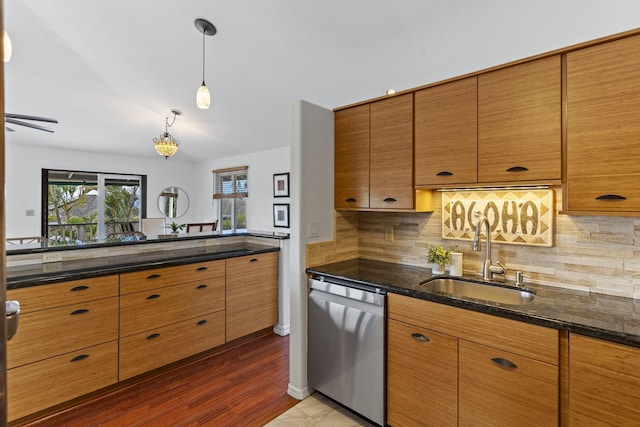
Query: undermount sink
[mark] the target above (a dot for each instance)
(476, 291)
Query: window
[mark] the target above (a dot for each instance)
(85, 206)
(231, 191)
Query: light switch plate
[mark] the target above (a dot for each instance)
(314, 229)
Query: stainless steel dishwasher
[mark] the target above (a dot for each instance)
(346, 346)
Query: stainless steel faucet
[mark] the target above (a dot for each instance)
(488, 269)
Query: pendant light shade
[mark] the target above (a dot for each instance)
(8, 49)
(166, 145)
(203, 97)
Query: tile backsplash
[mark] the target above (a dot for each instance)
(590, 253)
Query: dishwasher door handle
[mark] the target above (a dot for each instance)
(347, 302)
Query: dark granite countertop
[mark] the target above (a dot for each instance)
(42, 274)
(597, 315)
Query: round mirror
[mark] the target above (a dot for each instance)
(173, 202)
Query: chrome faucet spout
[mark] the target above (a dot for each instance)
(488, 269)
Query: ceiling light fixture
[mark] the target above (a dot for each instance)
(166, 145)
(203, 97)
(7, 48)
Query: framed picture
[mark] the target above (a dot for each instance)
(281, 185)
(281, 215)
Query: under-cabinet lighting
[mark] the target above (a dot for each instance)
(517, 187)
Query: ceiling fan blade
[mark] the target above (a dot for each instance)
(9, 129)
(25, 117)
(29, 125)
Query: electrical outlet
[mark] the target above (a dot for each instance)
(52, 267)
(31, 212)
(52, 257)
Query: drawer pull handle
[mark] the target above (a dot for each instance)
(351, 200)
(611, 197)
(253, 260)
(203, 286)
(389, 200)
(203, 321)
(153, 276)
(79, 311)
(517, 169)
(202, 268)
(79, 288)
(420, 338)
(152, 336)
(504, 363)
(153, 296)
(444, 173)
(79, 357)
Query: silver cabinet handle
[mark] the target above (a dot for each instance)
(420, 338)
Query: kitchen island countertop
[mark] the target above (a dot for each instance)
(608, 317)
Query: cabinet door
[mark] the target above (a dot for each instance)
(40, 385)
(519, 122)
(351, 186)
(252, 294)
(142, 311)
(48, 333)
(603, 130)
(499, 388)
(422, 377)
(150, 350)
(604, 379)
(391, 163)
(35, 298)
(446, 134)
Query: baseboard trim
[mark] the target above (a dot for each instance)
(297, 393)
(282, 330)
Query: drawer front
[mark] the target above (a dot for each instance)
(604, 193)
(529, 340)
(167, 276)
(252, 265)
(66, 293)
(151, 309)
(48, 333)
(410, 379)
(37, 386)
(144, 352)
(499, 388)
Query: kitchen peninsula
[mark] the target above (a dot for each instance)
(110, 312)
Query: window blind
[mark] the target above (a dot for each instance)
(230, 183)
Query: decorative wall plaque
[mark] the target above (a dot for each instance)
(519, 217)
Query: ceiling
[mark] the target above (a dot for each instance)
(111, 70)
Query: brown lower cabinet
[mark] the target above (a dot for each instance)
(80, 336)
(604, 383)
(447, 366)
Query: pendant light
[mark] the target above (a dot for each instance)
(166, 145)
(7, 46)
(203, 97)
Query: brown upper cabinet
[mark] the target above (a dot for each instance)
(603, 128)
(374, 156)
(446, 134)
(500, 127)
(519, 123)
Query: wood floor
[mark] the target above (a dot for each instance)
(241, 385)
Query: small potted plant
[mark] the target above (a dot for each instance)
(175, 227)
(438, 257)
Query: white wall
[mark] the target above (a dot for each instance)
(312, 201)
(23, 172)
(262, 166)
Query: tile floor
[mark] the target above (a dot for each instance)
(318, 411)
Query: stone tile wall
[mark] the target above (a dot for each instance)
(590, 253)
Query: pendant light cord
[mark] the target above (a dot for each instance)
(203, 58)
